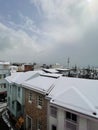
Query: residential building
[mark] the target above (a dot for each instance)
(27, 67)
(36, 104)
(15, 92)
(49, 101)
(74, 104)
(4, 72)
(13, 68)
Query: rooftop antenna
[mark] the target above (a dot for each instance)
(68, 62)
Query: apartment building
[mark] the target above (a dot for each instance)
(54, 102)
(16, 94)
(74, 104)
(36, 104)
(4, 72)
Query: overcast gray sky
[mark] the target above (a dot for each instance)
(49, 31)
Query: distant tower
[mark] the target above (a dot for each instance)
(68, 62)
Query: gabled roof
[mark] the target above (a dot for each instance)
(20, 77)
(76, 94)
(41, 84)
(13, 77)
(80, 95)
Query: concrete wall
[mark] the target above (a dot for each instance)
(59, 122)
(82, 124)
(52, 121)
(92, 125)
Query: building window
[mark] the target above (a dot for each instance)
(4, 75)
(0, 76)
(30, 96)
(18, 106)
(4, 85)
(12, 104)
(53, 127)
(39, 101)
(72, 117)
(28, 123)
(8, 101)
(71, 121)
(10, 89)
(1, 86)
(39, 124)
(53, 111)
(18, 91)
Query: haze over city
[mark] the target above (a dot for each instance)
(49, 31)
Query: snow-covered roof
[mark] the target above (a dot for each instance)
(13, 67)
(51, 75)
(50, 70)
(13, 77)
(41, 84)
(62, 69)
(20, 77)
(79, 95)
(4, 63)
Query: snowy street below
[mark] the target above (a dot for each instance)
(2, 107)
(4, 117)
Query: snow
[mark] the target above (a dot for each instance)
(4, 63)
(20, 77)
(51, 75)
(5, 117)
(51, 70)
(40, 83)
(62, 69)
(80, 95)
(2, 106)
(76, 94)
(13, 77)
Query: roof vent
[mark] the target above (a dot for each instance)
(94, 113)
(46, 94)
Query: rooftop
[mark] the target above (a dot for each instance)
(76, 94)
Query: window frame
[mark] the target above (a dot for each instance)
(53, 111)
(39, 101)
(30, 97)
(39, 124)
(28, 118)
(71, 117)
(13, 104)
(0, 76)
(10, 89)
(4, 75)
(70, 120)
(5, 85)
(19, 90)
